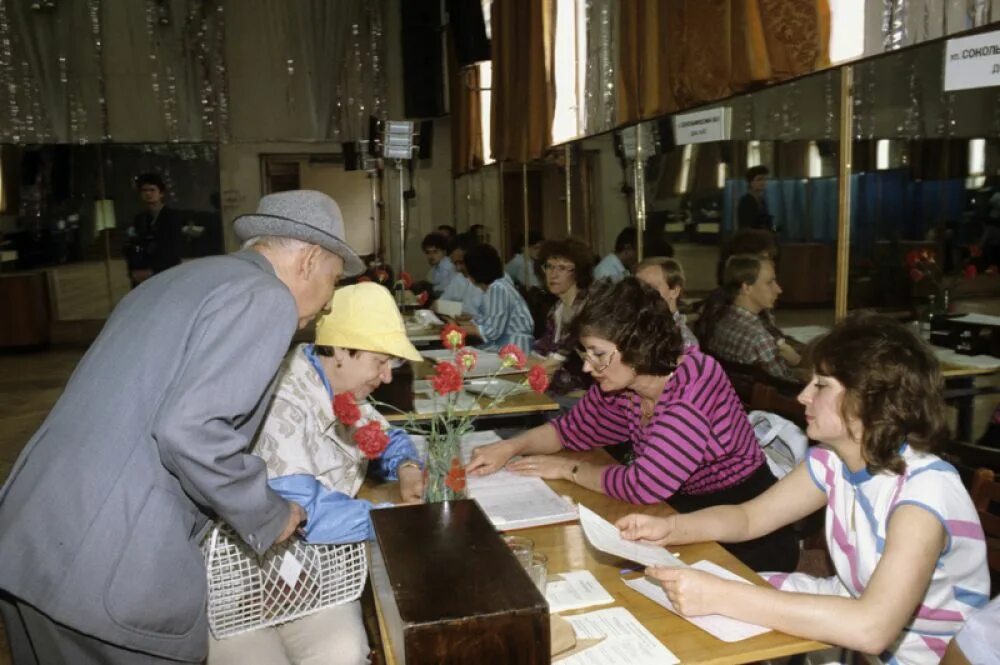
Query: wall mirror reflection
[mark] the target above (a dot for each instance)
(78, 211)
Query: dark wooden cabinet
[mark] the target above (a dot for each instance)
(25, 319)
(450, 590)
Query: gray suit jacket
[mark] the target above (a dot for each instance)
(101, 515)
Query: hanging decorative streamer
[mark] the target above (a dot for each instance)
(94, 11)
(912, 124)
(599, 77)
(894, 14)
(829, 106)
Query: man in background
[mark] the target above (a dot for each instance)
(156, 237)
(752, 211)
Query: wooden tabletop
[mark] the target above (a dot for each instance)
(567, 550)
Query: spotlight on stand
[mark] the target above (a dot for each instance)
(399, 142)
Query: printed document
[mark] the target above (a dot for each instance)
(603, 535)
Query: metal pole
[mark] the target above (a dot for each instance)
(639, 191)
(501, 221)
(524, 248)
(376, 226)
(402, 219)
(569, 192)
(844, 190)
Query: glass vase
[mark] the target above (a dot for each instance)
(445, 472)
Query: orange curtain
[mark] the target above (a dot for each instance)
(466, 116)
(675, 55)
(523, 99)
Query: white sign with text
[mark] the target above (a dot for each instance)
(702, 126)
(972, 62)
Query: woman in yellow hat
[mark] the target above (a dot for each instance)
(319, 440)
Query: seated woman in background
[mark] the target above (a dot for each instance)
(731, 326)
(314, 456)
(505, 317)
(567, 265)
(693, 444)
(903, 534)
(667, 276)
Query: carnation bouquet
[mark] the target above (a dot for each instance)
(444, 471)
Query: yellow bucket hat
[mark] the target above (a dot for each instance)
(364, 317)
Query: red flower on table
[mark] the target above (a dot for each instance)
(371, 439)
(446, 378)
(382, 276)
(466, 359)
(912, 258)
(453, 337)
(423, 298)
(511, 355)
(345, 409)
(538, 379)
(970, 271)
(455, 480)
(916, 275)
(405, 278)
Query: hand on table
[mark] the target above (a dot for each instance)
(692, 592)
(548, 467)
(489, 458)
(650, 529)
(296, 516)
(411, 485)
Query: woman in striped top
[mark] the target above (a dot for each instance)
(504, 317)
(692, 441)
(904, 537)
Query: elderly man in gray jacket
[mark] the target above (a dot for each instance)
(101, 517)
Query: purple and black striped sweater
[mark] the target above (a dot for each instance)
(698, 441)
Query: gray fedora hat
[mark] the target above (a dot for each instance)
(305, 215)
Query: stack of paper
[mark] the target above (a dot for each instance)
(721, 627)
(575, 591)
(510, 501)
(626, 641)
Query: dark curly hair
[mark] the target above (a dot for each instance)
(892, 384)
(483, 263)
(573, 251)
(637, 320)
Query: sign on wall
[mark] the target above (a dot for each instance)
(972, 62)
(702, 126)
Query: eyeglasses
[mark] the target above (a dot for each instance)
(595, 359)
(558, 268)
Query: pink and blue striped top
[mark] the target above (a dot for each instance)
(698, 440)
(859, 507)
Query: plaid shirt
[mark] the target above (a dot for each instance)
(741, 336)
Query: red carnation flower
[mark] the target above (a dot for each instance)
(453, 337)
(371, 439)
(446, 378)
(511, 355)
(455, 480)
(466, 359)
(422, 298)
(405, 278)
(912, 258)
(364, 278)
(970, 272)
(916, 275)
(538, 379)
(345, 409)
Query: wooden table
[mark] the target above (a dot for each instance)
(567, 550)
(524, 404)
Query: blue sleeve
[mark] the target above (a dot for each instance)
(333, 518)
(492, 319)
(399, 449)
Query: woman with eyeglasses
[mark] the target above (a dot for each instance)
(567, 265)
(693, 444)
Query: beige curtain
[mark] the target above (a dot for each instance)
(523, 97)
(466, 117)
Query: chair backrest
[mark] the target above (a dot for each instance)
(985, 493)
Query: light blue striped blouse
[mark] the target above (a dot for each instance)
(505, 317)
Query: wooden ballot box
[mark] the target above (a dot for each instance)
(450, 591)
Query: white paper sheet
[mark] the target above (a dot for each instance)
(720, 627)
(805, 334)
(437, 403)
(979, 319)
(427, 318)
(958, 360)
(487, 362)
(510, 501)
(603, 535)
(575, 590)
(627, 642)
